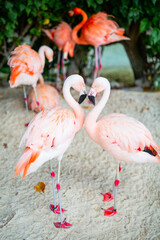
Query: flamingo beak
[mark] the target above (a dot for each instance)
(50, 64)
(92, 99)
(65, 55)
(82, 97)
(71, 13)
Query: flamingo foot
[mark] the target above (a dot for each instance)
(26, 124)
(62, 225)
(109, 212)
(56, 209)
(107, 197)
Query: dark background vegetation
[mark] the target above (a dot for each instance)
(141, 19)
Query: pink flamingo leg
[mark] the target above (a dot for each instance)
(108, 196)
(100, 61)
(35, 92)
(63, 68)
(26, 104)
(62, 223)
(54, 208)
(52, 176)
(96, 63)
(58, 67)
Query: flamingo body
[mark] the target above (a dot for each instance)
(125, 138)
(27, 65)
(62, 37)
(51, 131)
(57, 131)
(96, 30)
(48, 97)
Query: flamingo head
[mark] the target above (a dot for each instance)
(99, 85)
(49, 54)
(76, 82)
(49, 33)
(69, 48)
(75, 11)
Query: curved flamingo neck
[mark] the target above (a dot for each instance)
(78, 112)
(41, 52)
(75, 30)
(91, 119)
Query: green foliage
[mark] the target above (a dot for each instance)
(16, 15)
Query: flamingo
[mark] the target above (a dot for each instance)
(48, 97)
(96, 31)
(125, 138)
(49, 135)
(61, 35)
(27, 66)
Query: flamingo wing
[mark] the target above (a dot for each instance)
(97, 28)
(62, 35)
(25, 59)
(124, 132)
(49, 128)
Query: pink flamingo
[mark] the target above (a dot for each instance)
(49, 135)
(125, 138)
(48, 97)
(96, 31)
(62, 37)
(27, 66)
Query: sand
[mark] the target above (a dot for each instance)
(86, 171)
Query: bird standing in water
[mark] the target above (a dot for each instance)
(96, 31)
(125, 138)
(62, 37)
(27, 66)
(49, 135)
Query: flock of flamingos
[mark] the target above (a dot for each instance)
(52, 130)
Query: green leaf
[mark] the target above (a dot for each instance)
(21, 7)
(35, 31)
(91, 3)
(155, 35)
(99, 1)
(154, 1)
(30, 20)
(8, 5)
(12, 15)
(28, 10)
(2, 20)
(145, 24)
(5, 69)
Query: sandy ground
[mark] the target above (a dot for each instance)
(86, 171)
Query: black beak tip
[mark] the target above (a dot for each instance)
(82, 97)
(50, 64)
(92, 99)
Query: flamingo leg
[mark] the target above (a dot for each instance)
(96, 63)
(26, 104)
(62, 223)
(58, 67)
(63, 68)
(108, 196)
(58, 189)
(54, 208)
(53, 185)
(35, 92)
(116, 183)
(100, 61)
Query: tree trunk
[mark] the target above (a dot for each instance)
(135, 49)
